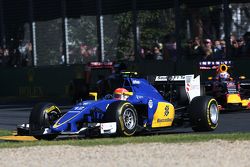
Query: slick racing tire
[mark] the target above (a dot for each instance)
(204, 113)
(203, 90)
(43, 116)
(182, 95)
(125, 116)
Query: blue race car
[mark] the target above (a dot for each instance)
(134, 108)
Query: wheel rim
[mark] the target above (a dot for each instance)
(214, 113)
(129, 118)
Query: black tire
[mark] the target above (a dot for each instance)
(182, 95)
(204, 113)
(203, 90)
(43, 116)
(125, 115)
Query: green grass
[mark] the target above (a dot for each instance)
(5, 132)
(166, 138)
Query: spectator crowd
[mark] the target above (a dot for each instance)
(194, 49)
(199, 49)
(16, 56)
(208, 49)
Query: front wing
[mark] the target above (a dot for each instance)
(101, 128)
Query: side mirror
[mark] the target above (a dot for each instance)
(242, 77)
(94, 94)
(210, 78)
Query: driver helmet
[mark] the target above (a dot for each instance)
(224, 76)
(119, 94)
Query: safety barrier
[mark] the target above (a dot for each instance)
(55, 80)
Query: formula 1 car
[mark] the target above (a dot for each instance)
(137, 107)
(231, 93)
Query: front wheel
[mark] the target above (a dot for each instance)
(43, 116)
(204, 113)
(125, 115)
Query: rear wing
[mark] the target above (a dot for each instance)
(192, 84)
(97, 65)
(170, 78)
(213, 65)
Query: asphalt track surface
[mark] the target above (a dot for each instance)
(12, 115)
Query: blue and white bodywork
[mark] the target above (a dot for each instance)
(144, 109)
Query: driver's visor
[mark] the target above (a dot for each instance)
(117, 96)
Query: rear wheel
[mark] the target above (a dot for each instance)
(125, 115)
(182, 95)
(203, 90)
(43, 116)
(204, 113)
